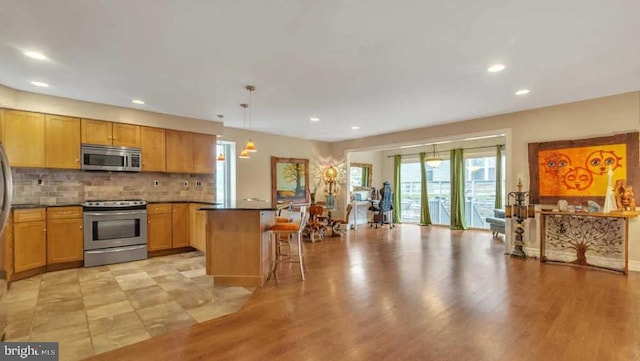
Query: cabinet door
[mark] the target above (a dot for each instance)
(180, 225)
(29, 245)
(126, 135)
(179, 151)
(204, 153)
(96, 132)
(7, 237)
(64, 240)
(200, 239)
(62, 142)
(158, 231)
(23, 138)
(152, 142)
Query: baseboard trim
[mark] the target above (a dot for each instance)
(634, 266)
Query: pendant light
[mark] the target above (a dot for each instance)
(251, 146)
(434, 158)
(245, 153)
(221, 157)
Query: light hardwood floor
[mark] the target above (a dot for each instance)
(418, 293)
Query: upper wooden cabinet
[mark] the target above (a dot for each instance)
(23, 138)
(179, 151)
(190, 152)
(152, 143)
(108, 133)
(204, 153)
(62, 142)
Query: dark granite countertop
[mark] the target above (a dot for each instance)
(243, 205)
(34, 205)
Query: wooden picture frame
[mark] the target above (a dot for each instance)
(289, 180)
(576, 170)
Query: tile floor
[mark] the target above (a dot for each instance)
(94, 310)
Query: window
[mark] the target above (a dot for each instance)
(225, 173)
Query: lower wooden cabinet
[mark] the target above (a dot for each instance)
(180, 225)
(198, 227)
(64, 235)
(7, 237)
(29, 239)
(159, 226)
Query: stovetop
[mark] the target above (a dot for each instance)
(114, 204)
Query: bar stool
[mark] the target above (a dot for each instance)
(291, 230)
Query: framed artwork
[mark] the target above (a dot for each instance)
(289, 180)
(578, 170)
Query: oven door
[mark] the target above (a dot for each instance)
(107, 229)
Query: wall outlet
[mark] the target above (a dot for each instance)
(198, 183)
(156, 182)
(185, 184)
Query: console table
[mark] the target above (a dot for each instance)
(599, 240)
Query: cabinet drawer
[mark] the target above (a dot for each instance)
(64, 212)
(29, 215)
(159, 208)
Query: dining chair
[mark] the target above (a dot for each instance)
(282, 234)
(317, 222)
(338, 224)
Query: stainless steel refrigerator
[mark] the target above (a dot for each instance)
(6, 192)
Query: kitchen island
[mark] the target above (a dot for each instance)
(238, 247)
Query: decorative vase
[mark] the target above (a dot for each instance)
(330, 201)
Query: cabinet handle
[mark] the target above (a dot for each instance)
(77, 160)
(109, 137)
(80, 227)
(44, 230)
(63, 213)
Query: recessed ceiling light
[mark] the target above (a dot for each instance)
(40, 84)
(314, 119)
(137, 101)
(355, 127)
(496, 68)
(35, 55)
(522, 92)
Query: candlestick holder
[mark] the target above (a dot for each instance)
(518, 207)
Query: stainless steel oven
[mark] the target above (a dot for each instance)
(114, 231)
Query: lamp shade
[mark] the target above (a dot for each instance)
(221, 158)
(244, 154)
(251, 146)
(434, 159)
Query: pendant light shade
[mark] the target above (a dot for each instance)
(251, 146)
(244, 154)
(434, 159)
(221, 157)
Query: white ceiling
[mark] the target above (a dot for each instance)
(378, 64)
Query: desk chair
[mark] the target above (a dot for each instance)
(282, 234)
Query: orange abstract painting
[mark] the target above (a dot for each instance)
(580, 171)
(576, 170)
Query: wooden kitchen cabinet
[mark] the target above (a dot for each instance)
(62, 142)
(152, 144)
(8, 247)
(159, 226)
(204, 153)
(64, 235)
(190, 152)
(29, 239)
(198, 231)
(180, 222)
(108, 133)
(179, 151)
(23, 138)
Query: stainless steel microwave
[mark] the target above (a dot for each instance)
(108, 158)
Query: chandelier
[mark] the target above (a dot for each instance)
(250, 146)
(245, 153)
(433, 160)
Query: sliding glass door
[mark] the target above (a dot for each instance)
(480, 190)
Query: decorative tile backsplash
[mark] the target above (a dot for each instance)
(61, 186)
